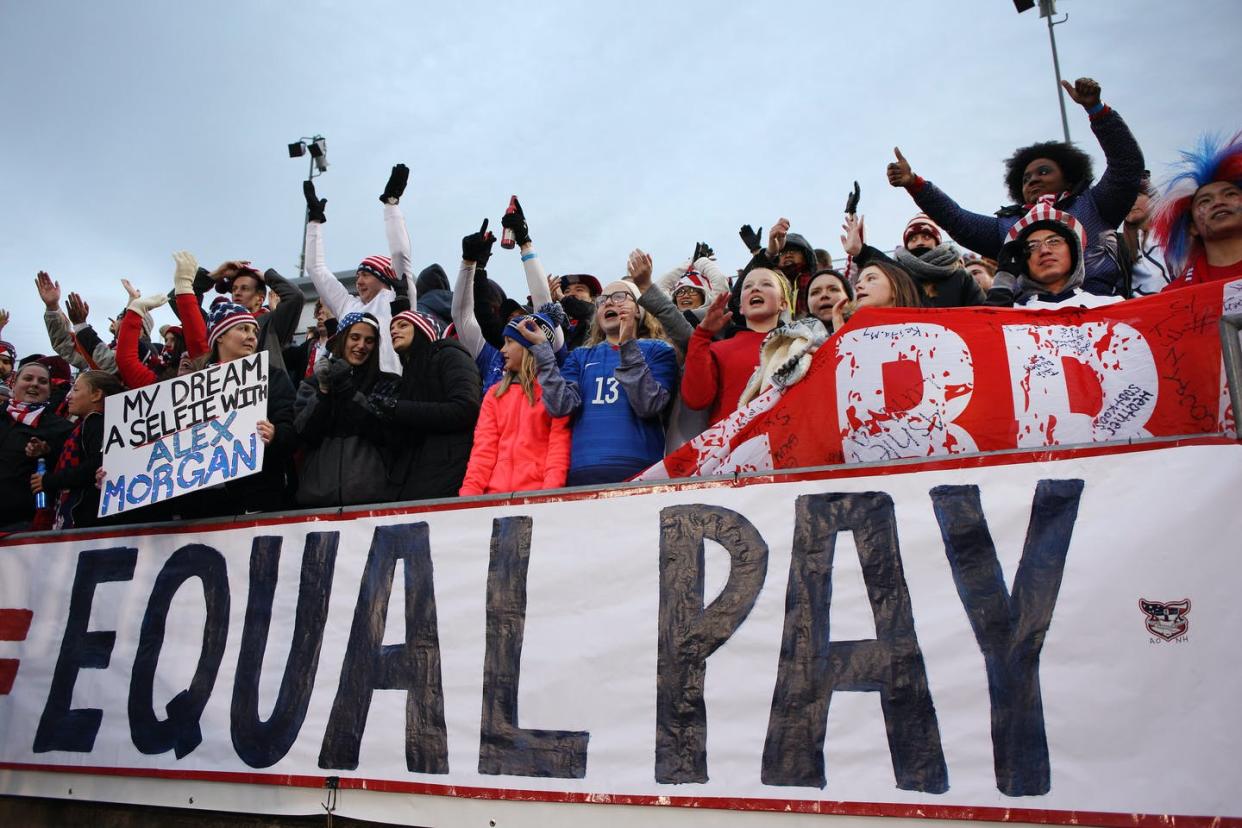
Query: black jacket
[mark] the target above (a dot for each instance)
(343, 438)
(17, 503)
(79, 481)
(433, 425)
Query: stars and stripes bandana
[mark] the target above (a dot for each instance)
(27, 413)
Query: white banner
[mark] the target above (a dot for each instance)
(1041, 641)
(183, 434)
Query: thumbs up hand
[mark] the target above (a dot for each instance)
(899, 172)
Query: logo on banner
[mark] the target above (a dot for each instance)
(1167, 620)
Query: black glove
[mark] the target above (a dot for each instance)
(314, 204)
(339, 376)
(516, 221)
(1010, 265)
(381, 405)
(395, 187)
(477, 247)
(700, 250)
(1012, 258)
(753, 239)
(851, 201)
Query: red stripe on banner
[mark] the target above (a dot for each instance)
(844, 471)
(1106, 819)
(8, 672)
(14, 624)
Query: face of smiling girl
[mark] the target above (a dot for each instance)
(874, 290)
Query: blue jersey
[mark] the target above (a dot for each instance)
(491, 364)
(612, 440)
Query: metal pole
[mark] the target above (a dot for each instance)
(1231, 350)
(1056, 65)
(305, 222)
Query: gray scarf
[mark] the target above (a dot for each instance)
(935, 265)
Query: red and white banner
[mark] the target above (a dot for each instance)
(1046, 638)
(898, 383)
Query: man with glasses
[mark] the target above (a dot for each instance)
(1041, 263)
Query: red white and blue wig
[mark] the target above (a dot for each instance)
(1212, 159)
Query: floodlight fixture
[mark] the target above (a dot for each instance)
(318, 148)
(319, 151)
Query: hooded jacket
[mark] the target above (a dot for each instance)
(518, 446)
(435, 294)
(1018, 289)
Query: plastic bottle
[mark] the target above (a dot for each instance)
(507, 238)
(41, 497)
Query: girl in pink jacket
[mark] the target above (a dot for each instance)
(518, 446)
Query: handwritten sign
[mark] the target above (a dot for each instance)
(183, 434)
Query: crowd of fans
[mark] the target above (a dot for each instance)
(412, 388)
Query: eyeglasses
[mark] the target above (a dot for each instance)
(1052, 243)
(1042, 171)
(618, 298)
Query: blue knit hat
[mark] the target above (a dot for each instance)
(353, 318)
(550, 329)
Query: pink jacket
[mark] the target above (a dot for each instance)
(518, 447)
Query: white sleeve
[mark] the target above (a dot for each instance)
(709, 268)
(332, 292)
(536, 279)
(668, 280)
(399, 249)
(469, 333)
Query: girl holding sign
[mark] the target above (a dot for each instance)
(233, 334)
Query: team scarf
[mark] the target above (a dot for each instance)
(26, 413)
(71, 457)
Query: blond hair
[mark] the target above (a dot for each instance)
(525, 375)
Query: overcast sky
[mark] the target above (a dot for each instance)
(133, 129)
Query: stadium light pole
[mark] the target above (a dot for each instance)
(1047, 10)
(317, 146)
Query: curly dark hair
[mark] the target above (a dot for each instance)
(1074, 163)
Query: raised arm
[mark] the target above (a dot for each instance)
(1117, 188)
(980, 233)
(186, 301)
(331, 291)
(288, 311)
(474, 248)
(536, 277)
(57, 323)
(399, 249)
(654, 299)
(134, 373)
